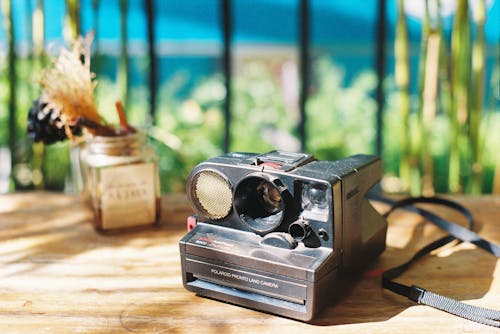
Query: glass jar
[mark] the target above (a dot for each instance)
(122, 181)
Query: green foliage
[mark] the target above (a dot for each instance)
(439, 143)
(260, 116)
(340, 119)
(56, 166)
(187, 130)
(446, 130)
(22, 157)
(4, 92)
(402, 80)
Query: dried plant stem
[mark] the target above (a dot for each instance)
(124, 126)
(121, 115)
(97, 129)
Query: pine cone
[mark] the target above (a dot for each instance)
(45, 124)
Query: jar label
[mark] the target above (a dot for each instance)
(128, 195)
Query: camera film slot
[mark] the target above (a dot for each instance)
(247, 281)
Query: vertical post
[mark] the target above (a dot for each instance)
(95, 13)
(31, 47)
(477, 97)
(38, 34)
(153, 78)
(227, 68)
(74, 28)
(38, 39)
(123, 67)
(402, 80)
(304, 63)
(12, 78)
(460, 76)
(380, 69)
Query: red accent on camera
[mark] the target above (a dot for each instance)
(191, 222)
(375, 273)
(273, 165)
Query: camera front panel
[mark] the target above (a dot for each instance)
(264, 200)
(276, 230)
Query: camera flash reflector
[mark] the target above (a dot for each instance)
(211, 194)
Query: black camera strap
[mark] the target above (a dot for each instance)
(456, 232)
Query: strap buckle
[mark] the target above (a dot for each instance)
(416, 293)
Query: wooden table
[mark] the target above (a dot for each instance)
(57, 275)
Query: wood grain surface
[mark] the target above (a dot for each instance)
(57, 275)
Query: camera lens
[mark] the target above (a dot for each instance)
(210, 193)
(299, 230)
(259, 203)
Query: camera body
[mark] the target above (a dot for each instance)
(276, 231)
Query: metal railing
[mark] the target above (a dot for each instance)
(304, 47)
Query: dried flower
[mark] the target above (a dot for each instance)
(68, 88)
(69, 85)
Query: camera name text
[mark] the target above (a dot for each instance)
(244, 278)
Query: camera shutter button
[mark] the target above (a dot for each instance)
(279, 239)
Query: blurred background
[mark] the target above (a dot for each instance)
(416, 82)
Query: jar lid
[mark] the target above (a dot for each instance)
(117, 145)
